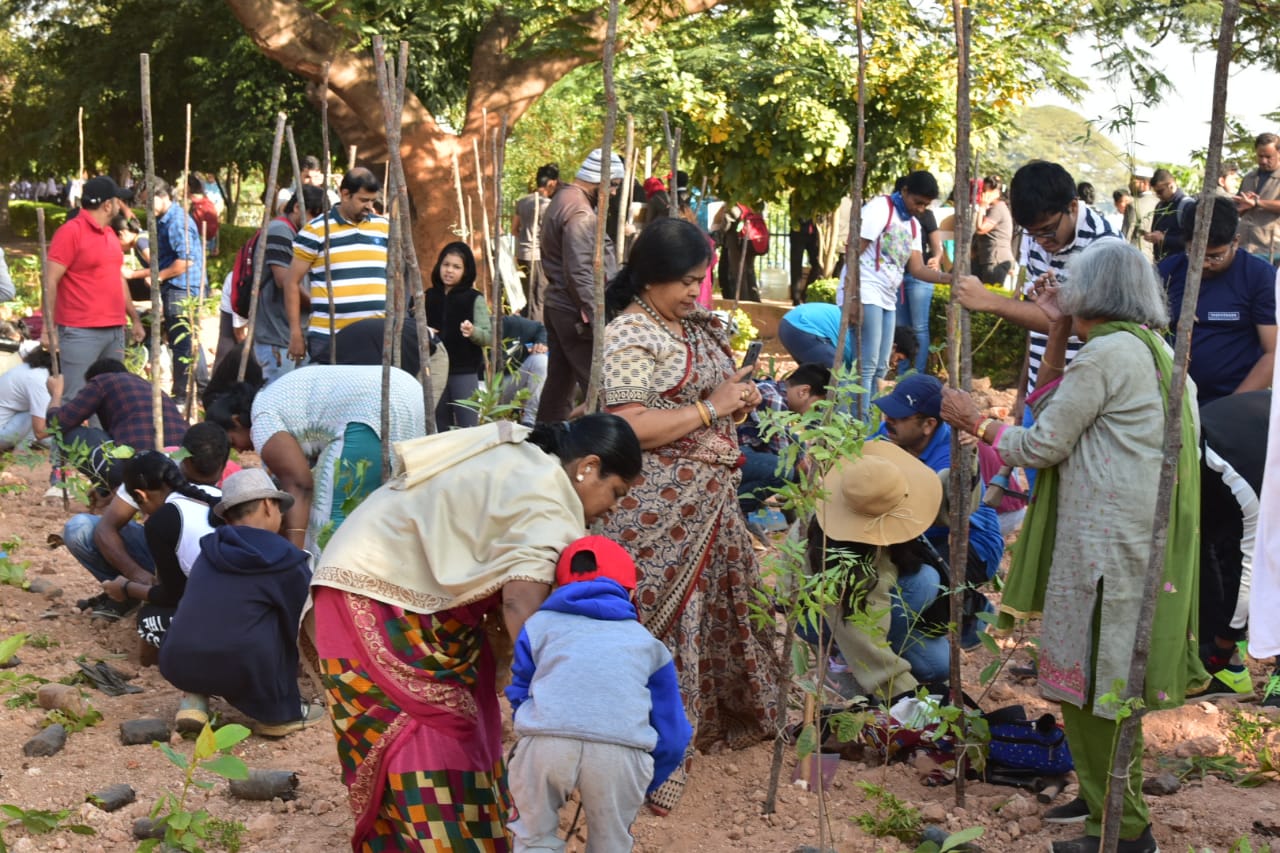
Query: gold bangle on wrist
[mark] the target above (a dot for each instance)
(746, 413)
(703, 414)
(1046, 363)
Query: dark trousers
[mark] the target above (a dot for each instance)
(179, 334)
(804, 241)
(569, 353)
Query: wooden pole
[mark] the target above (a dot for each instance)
(958, 371)
(851, 307)
(595, 393)
(486, 247)
(673, 154)
(80, 134)
(1131, 726)
(195, 325)
(157, 305)
(463, 232)
(328, 268)
(301, 197)
(46, 313)
(403, 304)
(409, 257)
(624, 195)
(351, 157)
(498, 351)
(260, 251)
(386, 77)
(192, 318)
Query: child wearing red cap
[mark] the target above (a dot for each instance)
(596, 704)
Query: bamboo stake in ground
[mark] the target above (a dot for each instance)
(595, 394)
(260, 250)
(328, 268)
(1134, 685)
(624, 193)
(409, 258)
(195, 326)
(301, 200)
(958, 375)
(463, 231)
(498, 351)
(406, 222)
(47, 314)
(192, 319)
(395, 269)
(351, 157)
(80, 134)
(149, 161)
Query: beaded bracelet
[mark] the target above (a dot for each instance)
(711, 410)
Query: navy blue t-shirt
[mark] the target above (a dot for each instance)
(1224, 342)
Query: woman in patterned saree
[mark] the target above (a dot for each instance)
(669, 371)
(460, 544)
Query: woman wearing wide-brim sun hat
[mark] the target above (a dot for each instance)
(875, 503)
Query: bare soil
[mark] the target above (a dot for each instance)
(721, 810)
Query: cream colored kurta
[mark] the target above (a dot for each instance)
(1103, 425)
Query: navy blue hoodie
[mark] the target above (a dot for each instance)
(235, 633)
(585, 668)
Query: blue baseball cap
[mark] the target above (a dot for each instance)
(917, 394)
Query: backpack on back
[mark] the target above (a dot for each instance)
(242, 273)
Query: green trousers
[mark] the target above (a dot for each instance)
(359, 444)
(1090, 738)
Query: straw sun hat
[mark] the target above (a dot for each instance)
(883, 497)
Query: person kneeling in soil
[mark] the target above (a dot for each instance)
(236, 629)
(595, 702)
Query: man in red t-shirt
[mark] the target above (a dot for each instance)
(204, 212)
(84, 283)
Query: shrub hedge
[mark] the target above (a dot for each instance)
(22, 217)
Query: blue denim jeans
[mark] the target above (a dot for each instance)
(806, 347)
(873, 359)
(915, 313)
(179, 336)
(759, 477)
(77, 533)
(930, 657)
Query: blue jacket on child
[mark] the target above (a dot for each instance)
(585, 668)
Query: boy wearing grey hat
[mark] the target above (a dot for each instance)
(235, 633)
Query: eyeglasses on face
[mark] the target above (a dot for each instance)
(1048, 232)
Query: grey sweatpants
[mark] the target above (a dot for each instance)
(611, 779)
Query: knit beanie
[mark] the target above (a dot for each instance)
(593, 557)
(590, 171)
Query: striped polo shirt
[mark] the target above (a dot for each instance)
(1090, 226)
(358, 266)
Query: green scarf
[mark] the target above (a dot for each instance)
(1174, 662)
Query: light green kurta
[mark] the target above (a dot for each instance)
(1103, 427)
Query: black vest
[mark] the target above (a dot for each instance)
(446, 309)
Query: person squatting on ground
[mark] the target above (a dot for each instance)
(24, 399)
(459, 314)
(235, 632)
(595, 705)
(112, 546)
(761, 456)
(1086, 540)
(403, 623)
(670, 373)
(178, 517)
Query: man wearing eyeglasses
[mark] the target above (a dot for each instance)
(1233, 341)
(1056, 225)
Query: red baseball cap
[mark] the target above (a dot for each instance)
(594, 557)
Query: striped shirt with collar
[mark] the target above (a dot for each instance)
(358, 267)
(1090, 226)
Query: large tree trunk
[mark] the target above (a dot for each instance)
(500, 85)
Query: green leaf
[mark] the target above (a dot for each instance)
(80, 829)
(227, 766)
(176, 758)
(179, 820)
(10, 645)
(148, 845)
(988, 672)
(963, 836)
(229, 736)
(989, 643)
(807, 743)
(799, 659)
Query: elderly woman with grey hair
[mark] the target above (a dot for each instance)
(1081, 561)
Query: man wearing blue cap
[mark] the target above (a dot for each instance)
(913, 421)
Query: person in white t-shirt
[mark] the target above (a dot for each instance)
(889, 247)
(24, 399)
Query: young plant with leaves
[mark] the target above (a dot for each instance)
(188, 830)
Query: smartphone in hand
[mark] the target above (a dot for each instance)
(753, 354)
